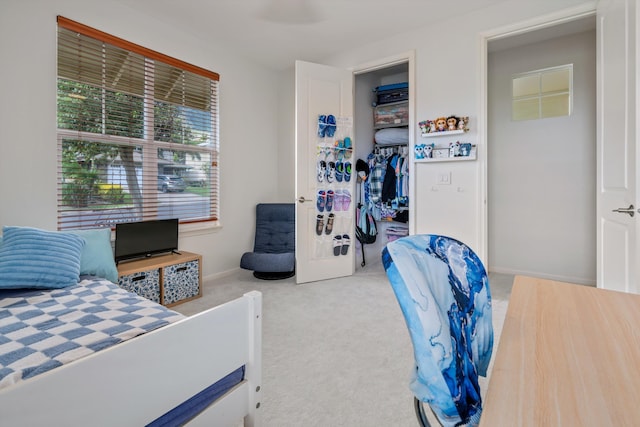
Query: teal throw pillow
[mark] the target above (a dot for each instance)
(97, 255)
(34, 258)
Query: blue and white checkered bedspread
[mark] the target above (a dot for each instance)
(41, 330)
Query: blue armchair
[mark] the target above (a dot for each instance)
(273, 255)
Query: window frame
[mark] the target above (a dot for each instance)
(541, 95)
(148, 143)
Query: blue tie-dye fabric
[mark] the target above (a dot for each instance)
(443, 291)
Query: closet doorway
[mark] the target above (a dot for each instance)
(367, 77)
(320, 90)
(541, 173)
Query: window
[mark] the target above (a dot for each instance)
(137, 133)
(542, 93)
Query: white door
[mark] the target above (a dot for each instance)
(325, 240)
(616, 145)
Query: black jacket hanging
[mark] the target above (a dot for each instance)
(389, 183)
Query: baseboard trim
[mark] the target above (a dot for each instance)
(221, 274)
(558, 278)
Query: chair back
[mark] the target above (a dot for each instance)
(443, 291)
(275, 228)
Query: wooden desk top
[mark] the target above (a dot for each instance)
(569, 355)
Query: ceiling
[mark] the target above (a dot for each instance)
(277, 32)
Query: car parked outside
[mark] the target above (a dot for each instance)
(196, 177)
(168, 183)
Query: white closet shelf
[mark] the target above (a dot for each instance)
(472, 156)
(443, 133)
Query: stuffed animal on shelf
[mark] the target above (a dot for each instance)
(428, 151)
(462, 123)
(452, 123)
(454, 149)
(419, 151)
(441, 124)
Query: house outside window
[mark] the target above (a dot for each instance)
(137, 133)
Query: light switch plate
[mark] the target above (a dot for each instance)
(444, 178)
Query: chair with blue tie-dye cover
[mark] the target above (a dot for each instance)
(443, 291)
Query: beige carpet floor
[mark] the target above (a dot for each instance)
(335, 352)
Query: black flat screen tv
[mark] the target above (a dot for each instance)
(145, 238)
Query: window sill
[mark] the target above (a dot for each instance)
(199, 228)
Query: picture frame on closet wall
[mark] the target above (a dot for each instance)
(440, 153)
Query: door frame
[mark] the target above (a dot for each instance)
(539, 23)
(408, 57)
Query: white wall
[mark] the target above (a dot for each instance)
(256, 122)
(448, 81)
(248, 119)
(542, 173)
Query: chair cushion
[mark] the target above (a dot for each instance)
(268, 263)
(275, 228)
(274, 244)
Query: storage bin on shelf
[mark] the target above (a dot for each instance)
(395, 92)
(393, 114)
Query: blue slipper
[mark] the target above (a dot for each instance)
(321, 201)
(330, 198)
(347, 171)
(330, 130)
(339, 171)
(322, 125)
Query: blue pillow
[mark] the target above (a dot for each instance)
(39, 259)
(97, 255)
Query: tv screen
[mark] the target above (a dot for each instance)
(145, 238)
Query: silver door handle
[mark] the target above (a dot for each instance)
(630, 210)
(301, 199)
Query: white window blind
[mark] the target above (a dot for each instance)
(137, 133)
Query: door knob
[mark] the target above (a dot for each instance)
(301, 199)
(629, 210)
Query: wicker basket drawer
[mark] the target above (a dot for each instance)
(180, 281)
(144, 283)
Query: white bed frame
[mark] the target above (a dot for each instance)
(135, 382)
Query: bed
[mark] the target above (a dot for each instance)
(208, 363)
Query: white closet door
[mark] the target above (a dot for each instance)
(617, 151)
(323, 253)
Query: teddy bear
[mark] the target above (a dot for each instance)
(419, 151)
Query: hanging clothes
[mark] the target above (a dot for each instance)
(377, 166)
(388, 183)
